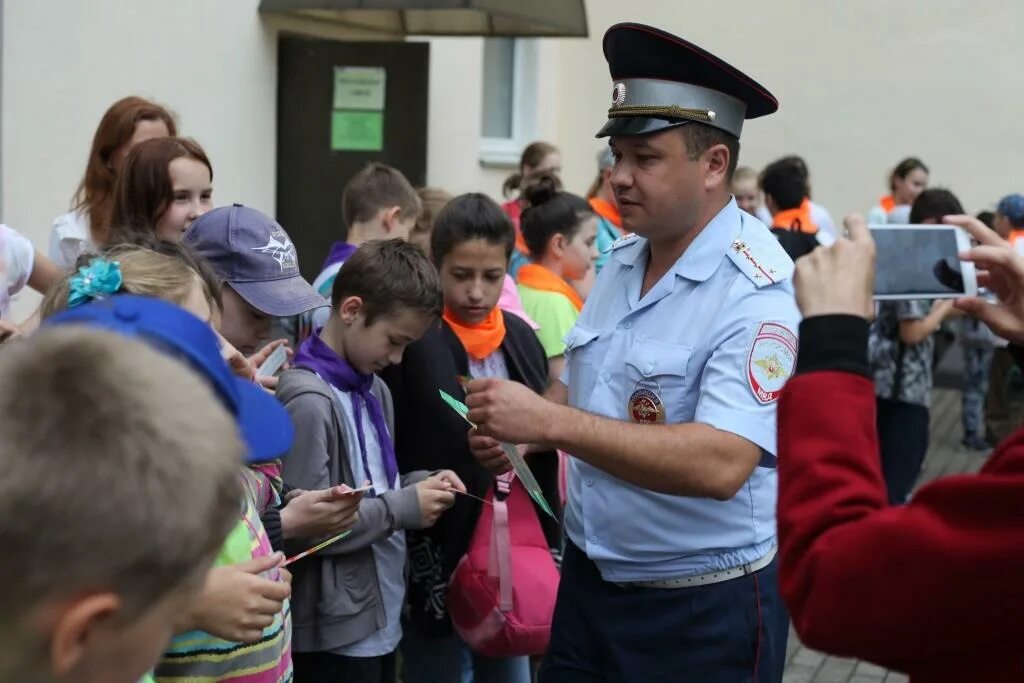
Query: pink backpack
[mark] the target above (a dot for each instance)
(501, 597)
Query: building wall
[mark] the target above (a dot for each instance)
(861, 85)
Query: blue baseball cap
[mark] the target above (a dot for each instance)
(1012, 207)
(251, 252)
(264, 424)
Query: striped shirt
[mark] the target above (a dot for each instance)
(199, 657)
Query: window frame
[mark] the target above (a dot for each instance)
(505, 152)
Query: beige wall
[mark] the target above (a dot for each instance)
(861, 84)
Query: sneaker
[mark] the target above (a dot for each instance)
(976, 443)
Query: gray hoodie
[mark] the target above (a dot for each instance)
(336, 598)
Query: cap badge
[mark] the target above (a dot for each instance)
(619, 94)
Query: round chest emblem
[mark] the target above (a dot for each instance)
(645, 407)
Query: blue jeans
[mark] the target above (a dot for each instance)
(449, 660)
(729, 632)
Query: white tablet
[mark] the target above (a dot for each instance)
(922, 262)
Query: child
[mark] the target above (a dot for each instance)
(602, 200)
(785, 195)
(471, 245)
(1009, 221)
(560, 230)
(979, 347)
(538, 158)
(257, 263)
(165, 185)
(377, 203)
(385, 298)
(746, 191)
(432, 200)
(100, 606)
(908, 180)
(235, 598)
(86, 228)
(20, 265)
(901, 350)
(165, 434)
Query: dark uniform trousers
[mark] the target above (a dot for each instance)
(729, 632)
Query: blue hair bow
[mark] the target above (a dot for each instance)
(96, 281)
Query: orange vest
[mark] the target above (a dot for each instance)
(798, 219)
(607, 211)
(1017, 241)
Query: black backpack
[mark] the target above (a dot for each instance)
(795, 242)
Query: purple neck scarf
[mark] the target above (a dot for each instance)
(339, 253)
(314, 354)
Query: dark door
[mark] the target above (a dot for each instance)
(340, 106)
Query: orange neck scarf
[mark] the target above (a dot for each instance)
(537, 276)
(887, 203)
(482, 339)
(607, 211)
(798, 219)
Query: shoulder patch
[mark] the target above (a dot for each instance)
(623, 241)
(770, 361)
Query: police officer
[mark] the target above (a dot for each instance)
(673, 372)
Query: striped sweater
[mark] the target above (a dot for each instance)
(199, 657)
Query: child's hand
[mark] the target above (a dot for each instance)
(8, 331)
(310, 514)
(238, 363)
(435, 495)
(451, 479)
(237, 603)
(260, 357)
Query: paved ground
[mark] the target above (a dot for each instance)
(945, 456)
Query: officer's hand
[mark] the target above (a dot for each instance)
(508, 411)
(489, 453)
(839, 279)
(1001, 270)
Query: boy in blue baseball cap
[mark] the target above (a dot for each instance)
(101, 396)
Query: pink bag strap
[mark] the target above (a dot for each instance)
(499, 563)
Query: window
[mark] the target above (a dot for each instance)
(508, 115)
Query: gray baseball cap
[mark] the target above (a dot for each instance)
(251, 252)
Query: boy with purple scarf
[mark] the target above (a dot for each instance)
(347, 599)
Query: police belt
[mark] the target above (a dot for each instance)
(709, 578)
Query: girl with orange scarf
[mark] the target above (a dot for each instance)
(560, 230)
(471, 244)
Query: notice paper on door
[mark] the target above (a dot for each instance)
(359, 131)
(360, 87)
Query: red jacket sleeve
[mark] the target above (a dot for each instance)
(935, 587)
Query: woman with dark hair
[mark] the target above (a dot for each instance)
(906, 182)
(126, 123)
